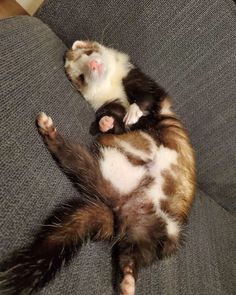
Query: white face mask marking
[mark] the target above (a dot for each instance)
(103, 70)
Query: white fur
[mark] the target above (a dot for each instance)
(116, 168)
(114, 165)
(173, 227)
(111, 87)
(44, 121)
(125, 177)
(76, 64)
(166, 108)
(107, 87)
(156, 194)
(78, 44)
(163, 158)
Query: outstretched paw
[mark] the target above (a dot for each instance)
(45, 125)
(106, 123)
(133, 114)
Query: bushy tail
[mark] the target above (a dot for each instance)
(30, 268)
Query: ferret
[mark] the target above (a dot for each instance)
(118, 91)
(136, 182)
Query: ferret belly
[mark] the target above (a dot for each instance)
(125, 177)
(117, 169)
(128, 180)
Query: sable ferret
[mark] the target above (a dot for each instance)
(137, 184)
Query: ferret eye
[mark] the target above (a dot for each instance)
(88, 52)
(81, 78)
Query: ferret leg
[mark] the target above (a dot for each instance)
(128, 269)
(127, 285)
(77, 162)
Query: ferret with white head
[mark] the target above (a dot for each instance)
(116, 89)
(137, 186)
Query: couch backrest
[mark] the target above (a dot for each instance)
(190, 48)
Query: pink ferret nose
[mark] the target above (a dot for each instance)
(93, 65)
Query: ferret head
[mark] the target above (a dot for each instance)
(87, 63)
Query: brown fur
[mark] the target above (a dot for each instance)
(137, 141)
(169, 187)
(133, 138)
(144, 232)
(137, 224)
(172, 135)
(79, 84)
(142, 227)
(71, 55)
(93, 218)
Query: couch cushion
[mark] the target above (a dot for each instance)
(32, 80)
(189, 47)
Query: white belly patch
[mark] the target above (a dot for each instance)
(116, 168)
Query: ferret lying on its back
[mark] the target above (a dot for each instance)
(136, 189)
(117, 90)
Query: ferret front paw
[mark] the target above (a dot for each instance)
(106, 123)
(133, 114)
(45, 124)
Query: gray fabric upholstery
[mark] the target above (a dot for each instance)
(190, 48)
(32, 80)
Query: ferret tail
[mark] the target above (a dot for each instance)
(63, 233)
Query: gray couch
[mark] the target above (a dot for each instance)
(189, 47)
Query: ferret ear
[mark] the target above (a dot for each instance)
(80, 44)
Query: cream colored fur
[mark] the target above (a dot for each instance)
(109, 87)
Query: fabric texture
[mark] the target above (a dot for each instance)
(33, 80)
(189, 47)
